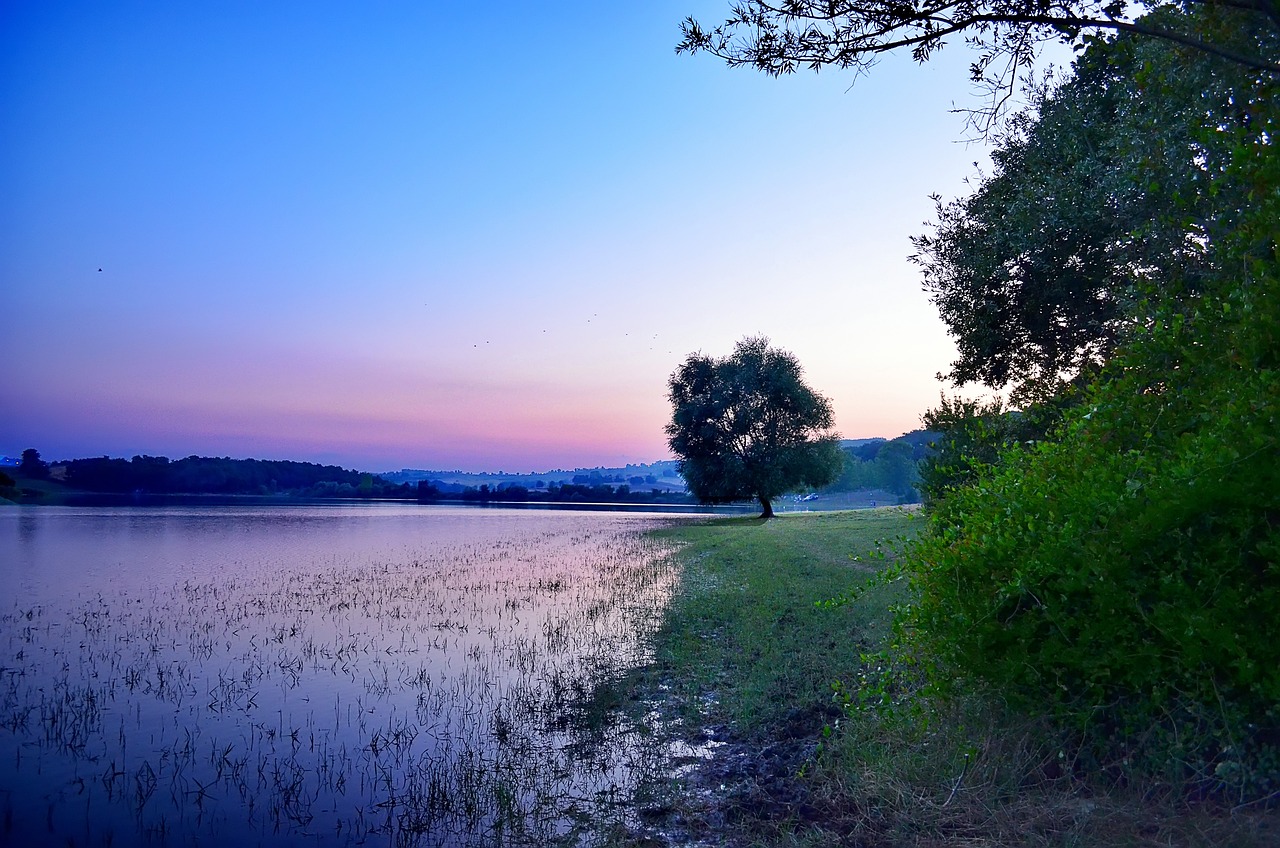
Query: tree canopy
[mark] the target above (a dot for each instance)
(1108, 555)
(32, 465)
(1108, 186)
(747, 426)
(224, 476)
(779, 36)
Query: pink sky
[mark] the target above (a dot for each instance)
(337, 236)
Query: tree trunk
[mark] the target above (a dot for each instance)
(766, 507)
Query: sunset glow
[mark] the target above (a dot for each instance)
(390, 236)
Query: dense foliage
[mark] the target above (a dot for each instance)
(574, 493)
(747, 427)
(32, 465)
(970, 435)
(1108, 184)
(1123, 573)
(1126, 574)
(1107, 555)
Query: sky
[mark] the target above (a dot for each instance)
(444, 235)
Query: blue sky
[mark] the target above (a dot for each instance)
(444, 234)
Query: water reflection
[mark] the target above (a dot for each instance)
(321, 675)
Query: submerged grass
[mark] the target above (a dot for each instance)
(425, 698)
(745, 661)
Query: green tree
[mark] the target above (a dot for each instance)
(896, 465)
(32, 465)
(970, 436)
(747, 426)
(853, 475)
(1108, 184)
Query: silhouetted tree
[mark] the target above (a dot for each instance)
(32, 465)
(779, 36)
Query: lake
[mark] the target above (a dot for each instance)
(388, 674)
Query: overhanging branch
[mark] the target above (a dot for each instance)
(850, 46)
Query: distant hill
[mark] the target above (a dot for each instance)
(159, 475)
(660, 475)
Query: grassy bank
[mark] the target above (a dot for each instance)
(746, 631)
(746, 660)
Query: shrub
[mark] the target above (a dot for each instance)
(1123, 576)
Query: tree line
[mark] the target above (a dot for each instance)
(564, 492)
(893, 466)
(158, 475)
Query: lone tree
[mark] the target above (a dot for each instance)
(747, 426)
(32, 465)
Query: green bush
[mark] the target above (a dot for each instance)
(1123, 576)
(972, 435)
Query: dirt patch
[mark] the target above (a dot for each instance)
(722, 790)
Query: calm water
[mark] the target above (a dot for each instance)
(338, 675)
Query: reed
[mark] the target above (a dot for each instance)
(420, 699)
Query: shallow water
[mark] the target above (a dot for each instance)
(333, 675)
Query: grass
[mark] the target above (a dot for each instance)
(32, 490)
(745, 629)
(747, 656)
